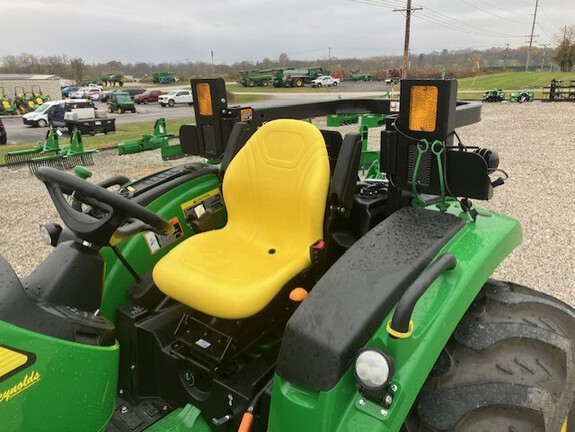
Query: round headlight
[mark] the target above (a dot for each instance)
(373, 369)
(50, 233)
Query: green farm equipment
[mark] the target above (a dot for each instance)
(257, 77)
(522, 96)
(6, 105)
(361, 77)
(179, 302)
(37, 96)
(493, 96)
(163, 78)
(121, 102)
(23, 101)
(336, 120)
(66, 157)
(558, 91)
(295, 77)
(49, 147)
(149, 141)
(111, 80)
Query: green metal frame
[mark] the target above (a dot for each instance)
(149, 141)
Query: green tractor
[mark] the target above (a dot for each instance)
(23, 101)
(277, 292)
(120, 102)
(37, 96)
(6, 105)
(112, 80)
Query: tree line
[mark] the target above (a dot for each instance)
(457, 63)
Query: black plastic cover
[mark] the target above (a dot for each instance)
(350, 301)
(344, 179)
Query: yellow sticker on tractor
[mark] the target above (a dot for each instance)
(13, 361)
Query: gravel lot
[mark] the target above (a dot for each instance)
(535, 142)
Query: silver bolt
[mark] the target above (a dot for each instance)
(124, 410)
(133, 367)
(165, 408)
(121, 391)
(393, 388)
(388, 400)
(383, 412)
(223, 100)
(361, 402)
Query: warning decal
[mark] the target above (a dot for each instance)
(157, 242)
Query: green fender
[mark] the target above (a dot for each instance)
(479, 248)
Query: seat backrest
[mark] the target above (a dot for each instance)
(275, 188)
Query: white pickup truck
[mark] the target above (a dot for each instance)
(176, 97)
(325, 81)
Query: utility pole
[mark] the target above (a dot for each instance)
(506, 56)
(531, 37)
(543, 60)
(329, 55)
(213, 63)
(408, 9)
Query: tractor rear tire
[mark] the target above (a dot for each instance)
(251, 83)
(133, 110)
(120, 110)
(509, 366)
(298, 82)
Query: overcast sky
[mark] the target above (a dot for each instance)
(171, 30)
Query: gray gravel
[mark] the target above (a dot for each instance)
(536, 145)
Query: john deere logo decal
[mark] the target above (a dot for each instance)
(13, 361)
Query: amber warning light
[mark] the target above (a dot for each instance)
(423, 108)
(204, 99)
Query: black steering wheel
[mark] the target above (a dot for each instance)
(109, 210)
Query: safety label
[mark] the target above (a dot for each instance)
(157, 242)
(209, 202)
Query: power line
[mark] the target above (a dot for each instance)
(504, 10)
(491, 13)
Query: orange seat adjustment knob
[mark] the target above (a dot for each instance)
(298, 295)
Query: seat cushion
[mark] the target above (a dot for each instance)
(275, 191)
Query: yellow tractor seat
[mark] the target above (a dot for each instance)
(275, 190)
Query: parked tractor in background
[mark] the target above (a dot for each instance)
(37, 95)
(6, 105)
(179, 302)
(493, 96)
(112, 80)
(23, 101)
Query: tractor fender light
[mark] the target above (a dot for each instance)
(491, 157)
(50, 233)
(373, 369)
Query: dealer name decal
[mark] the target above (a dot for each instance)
(28, 381)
